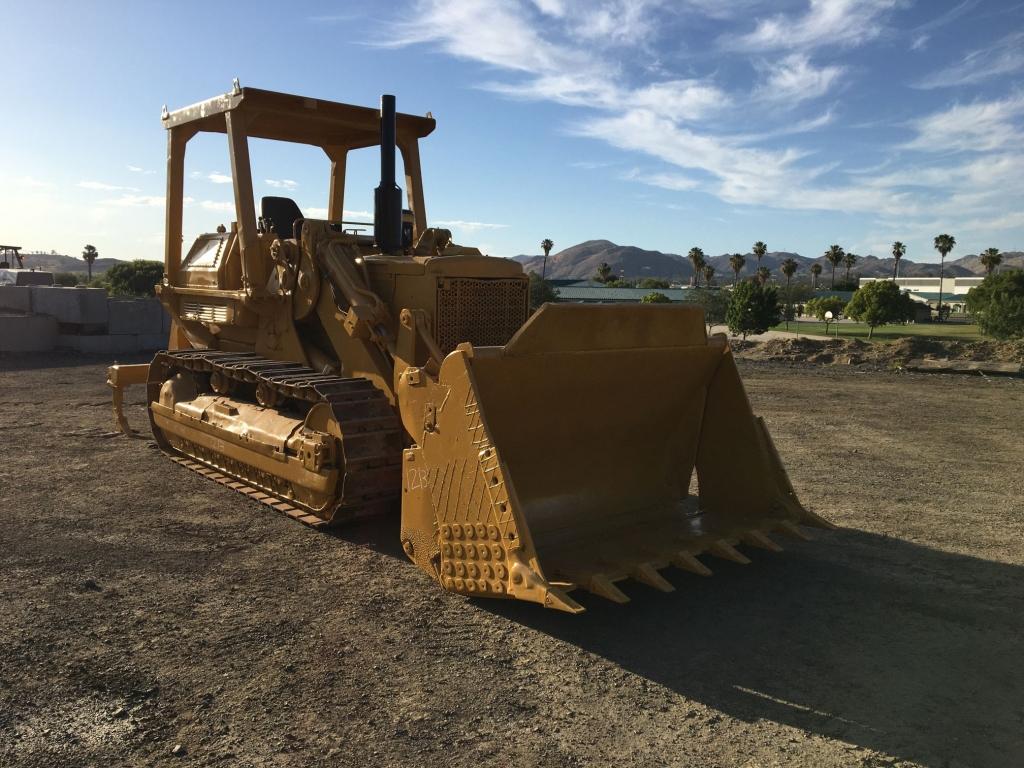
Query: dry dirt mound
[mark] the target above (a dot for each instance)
(878, 354)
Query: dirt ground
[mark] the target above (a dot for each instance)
(145, 608)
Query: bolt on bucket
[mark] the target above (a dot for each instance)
(565, 459)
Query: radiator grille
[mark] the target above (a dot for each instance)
(205, 312)
(484, 312)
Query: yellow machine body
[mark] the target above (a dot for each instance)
(331, 374)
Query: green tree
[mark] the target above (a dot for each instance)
(709, 272)
(90, 254)
(753, 308)
(789, 268)
(815, 272)
(696, 257)
(763, 275)
(714, 303)
(541, 292)
(849, 260)
(546, 245)
(134, 278)
(997, 305)
(818, 306)
(877, 303)
(67, 279)
(604, 273)
(759, 250)
(655, 298)
(898, 250)
(943, 244)
(737, 262)
(653, 282)
(834, 254)
(991, 259)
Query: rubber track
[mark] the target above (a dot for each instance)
(371, 432)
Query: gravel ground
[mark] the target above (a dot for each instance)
(151, 617)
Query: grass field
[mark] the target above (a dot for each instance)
(961, 331)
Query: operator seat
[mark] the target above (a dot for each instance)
(280, 215)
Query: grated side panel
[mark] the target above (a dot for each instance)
(484, 312)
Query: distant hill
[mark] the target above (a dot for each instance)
(55, 262)
(582, 261)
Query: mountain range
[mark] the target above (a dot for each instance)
(582, 261)
(56, 262)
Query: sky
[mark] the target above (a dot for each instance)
(664, 125)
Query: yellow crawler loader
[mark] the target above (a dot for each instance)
(331, 373)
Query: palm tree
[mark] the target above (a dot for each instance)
(709, 272)
(759, 250)
(848, 261)
(737, 262)
(604, 273)
(789, 267)
(90, 254)
(815, 271)
(834, 254)
(547, 245)
(943, 244)
(696, 255)
(898, 249)
(991, 259)
(763, 273)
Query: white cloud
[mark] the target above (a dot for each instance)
(980, 126)
(29, 181)
(919, 42)
(671, 181)
(281, 183)
(314, 213)
(468, 226)
(138, 169)
(1003, 57)
(794, 79)
(217, 205)
(346, 214)
(829, 23)
(218, 178)
(104, 187)
(135, 201)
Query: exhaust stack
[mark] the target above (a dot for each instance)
(387, 215)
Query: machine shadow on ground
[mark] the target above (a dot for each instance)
(875, 641)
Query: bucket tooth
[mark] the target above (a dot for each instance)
(689, 562)
(559, 600)
(794, 530)
(601, 585)
(761, 540)
(647, 574)
(727, 551)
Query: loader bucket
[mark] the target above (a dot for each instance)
(565, 459)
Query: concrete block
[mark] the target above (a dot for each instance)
(117, 344)
(27, 333)
(140, 316)
(71, 306)
(15, 298)
(149, 342)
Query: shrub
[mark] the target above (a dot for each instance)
(541, 292)
(67, 279)
(817, 307)
(753, 308)
(997, 305)
(134, 278)
(655, 298)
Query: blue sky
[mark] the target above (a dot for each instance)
(658, 124)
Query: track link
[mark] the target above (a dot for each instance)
(371, 443)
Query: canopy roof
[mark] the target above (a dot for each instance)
(285, 117)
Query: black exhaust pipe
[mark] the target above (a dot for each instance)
(387, 212)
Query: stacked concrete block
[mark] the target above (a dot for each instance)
(27, 333)
(16, 298)
(78, 310)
